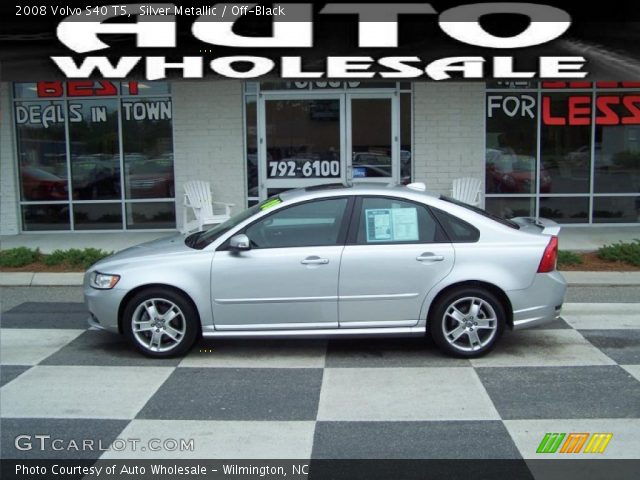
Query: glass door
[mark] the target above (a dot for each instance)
(302, 141)
(372, 139)
(314, 138)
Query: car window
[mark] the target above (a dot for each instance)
(199, 240)
(314, 223)
(457, 230)
(482, 212)
(387, 220)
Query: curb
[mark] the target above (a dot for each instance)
(602, 279)
(41, 279)
(75, 279)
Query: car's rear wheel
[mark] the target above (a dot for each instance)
(160, 323)
(467, 322)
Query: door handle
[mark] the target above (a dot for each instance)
(315, 261)
(429, 257)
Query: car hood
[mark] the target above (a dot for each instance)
(173, 244)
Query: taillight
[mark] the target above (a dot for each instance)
(549, 257)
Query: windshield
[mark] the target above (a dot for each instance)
(200, 240)
(482, 212)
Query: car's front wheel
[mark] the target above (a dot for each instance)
(160, 323)
(467, 322)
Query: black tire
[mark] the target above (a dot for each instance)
(488, 324)
(176, 334)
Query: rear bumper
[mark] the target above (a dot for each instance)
(539, 304)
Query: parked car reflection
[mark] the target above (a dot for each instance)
(151, 178)
(39, 184)
(96, 177)
(511, 173)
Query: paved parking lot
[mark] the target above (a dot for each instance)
(321, 399)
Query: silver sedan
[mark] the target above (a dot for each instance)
(335, 261)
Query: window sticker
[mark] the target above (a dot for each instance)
(270, 203)
(391, 224)
(378, 225)
(405, 224)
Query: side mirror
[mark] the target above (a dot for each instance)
(240, 242)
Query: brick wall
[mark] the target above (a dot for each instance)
(449, 133)
(208, 139)
(8, 187)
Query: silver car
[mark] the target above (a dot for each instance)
(334, 261)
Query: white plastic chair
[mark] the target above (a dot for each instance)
(198, 199)
(467, 190)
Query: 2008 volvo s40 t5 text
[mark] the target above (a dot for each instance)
(335, 261)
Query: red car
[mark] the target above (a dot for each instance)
(38, 184)
(510, 173)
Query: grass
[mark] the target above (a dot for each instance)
(73, 258)
(628, 252)
(569, 258)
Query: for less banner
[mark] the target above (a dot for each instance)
(393, 41)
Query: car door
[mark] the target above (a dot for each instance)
(396, 252)
(289, 277)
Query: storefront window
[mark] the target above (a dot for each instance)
(148, 148)
(616, 209)
(42, 156)
(303, 138)
(617, 145)
(73, 145)
(566, 141)
(511, 143)
(565, 209)
(97, 216)
(150, 215)
(371, 137)
(510, 207)
(95, 155)
(45, 217)
(588, 153)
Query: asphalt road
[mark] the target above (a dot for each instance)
(13, 296)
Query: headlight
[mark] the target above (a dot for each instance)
(103, 281)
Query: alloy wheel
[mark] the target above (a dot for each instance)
(158, 325)
(469, 324)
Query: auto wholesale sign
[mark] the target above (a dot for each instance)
(292, 28)
(318, 42)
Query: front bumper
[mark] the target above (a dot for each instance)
(540, 303)
(103, 307)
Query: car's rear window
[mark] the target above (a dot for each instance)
(457, 230)
(482, 212)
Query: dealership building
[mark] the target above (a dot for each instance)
(114, 156)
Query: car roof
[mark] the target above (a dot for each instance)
(360, 188)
